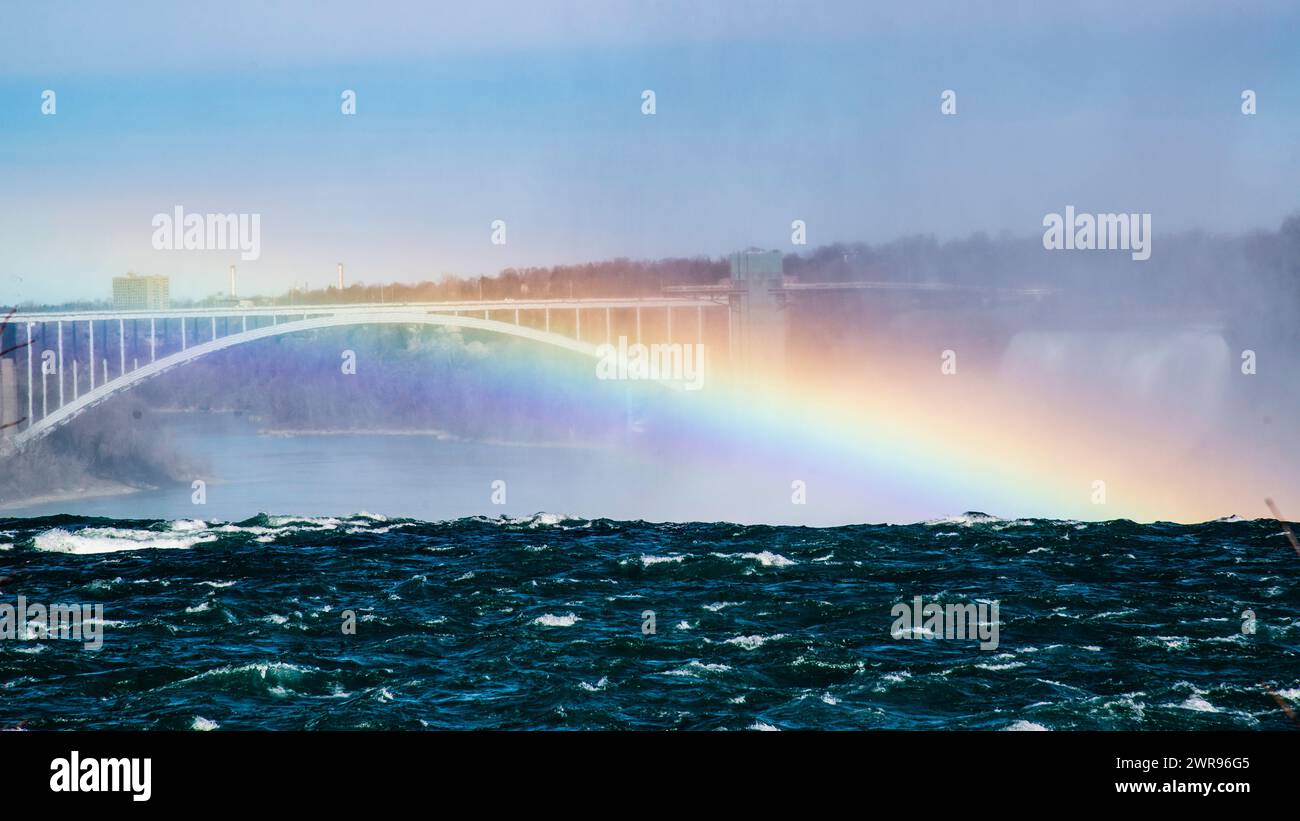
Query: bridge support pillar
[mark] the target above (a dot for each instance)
(31, 394)
(8, 397)
(60, 364)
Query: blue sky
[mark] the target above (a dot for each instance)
(766, 113)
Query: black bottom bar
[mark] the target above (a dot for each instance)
(570, 770)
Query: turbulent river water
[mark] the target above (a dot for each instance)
(542, 621)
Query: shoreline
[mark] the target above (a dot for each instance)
(100, 489)
(289, 433)
(433, 433)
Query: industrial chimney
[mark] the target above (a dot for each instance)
(340, 278)
(232, 282)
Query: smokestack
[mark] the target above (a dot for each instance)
(232, 282)
(340, 277)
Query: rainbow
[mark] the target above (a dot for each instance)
(915, 449)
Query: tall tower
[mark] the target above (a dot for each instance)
(232, 282)
(758, 323)
(340, 278)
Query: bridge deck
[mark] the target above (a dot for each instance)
(476, 306)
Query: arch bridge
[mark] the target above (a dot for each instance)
(76, 360)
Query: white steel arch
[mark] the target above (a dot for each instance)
(389, 316)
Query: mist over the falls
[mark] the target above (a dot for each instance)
(1121, 343)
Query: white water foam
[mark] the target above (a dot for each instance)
(1026, 726)
(549, 620)
(766, 558)
(753, 642)
(92, 540)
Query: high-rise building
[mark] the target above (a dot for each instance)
(141, 293)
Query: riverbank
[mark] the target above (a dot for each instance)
(91, 489)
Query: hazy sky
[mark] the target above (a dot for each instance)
(766, 112)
